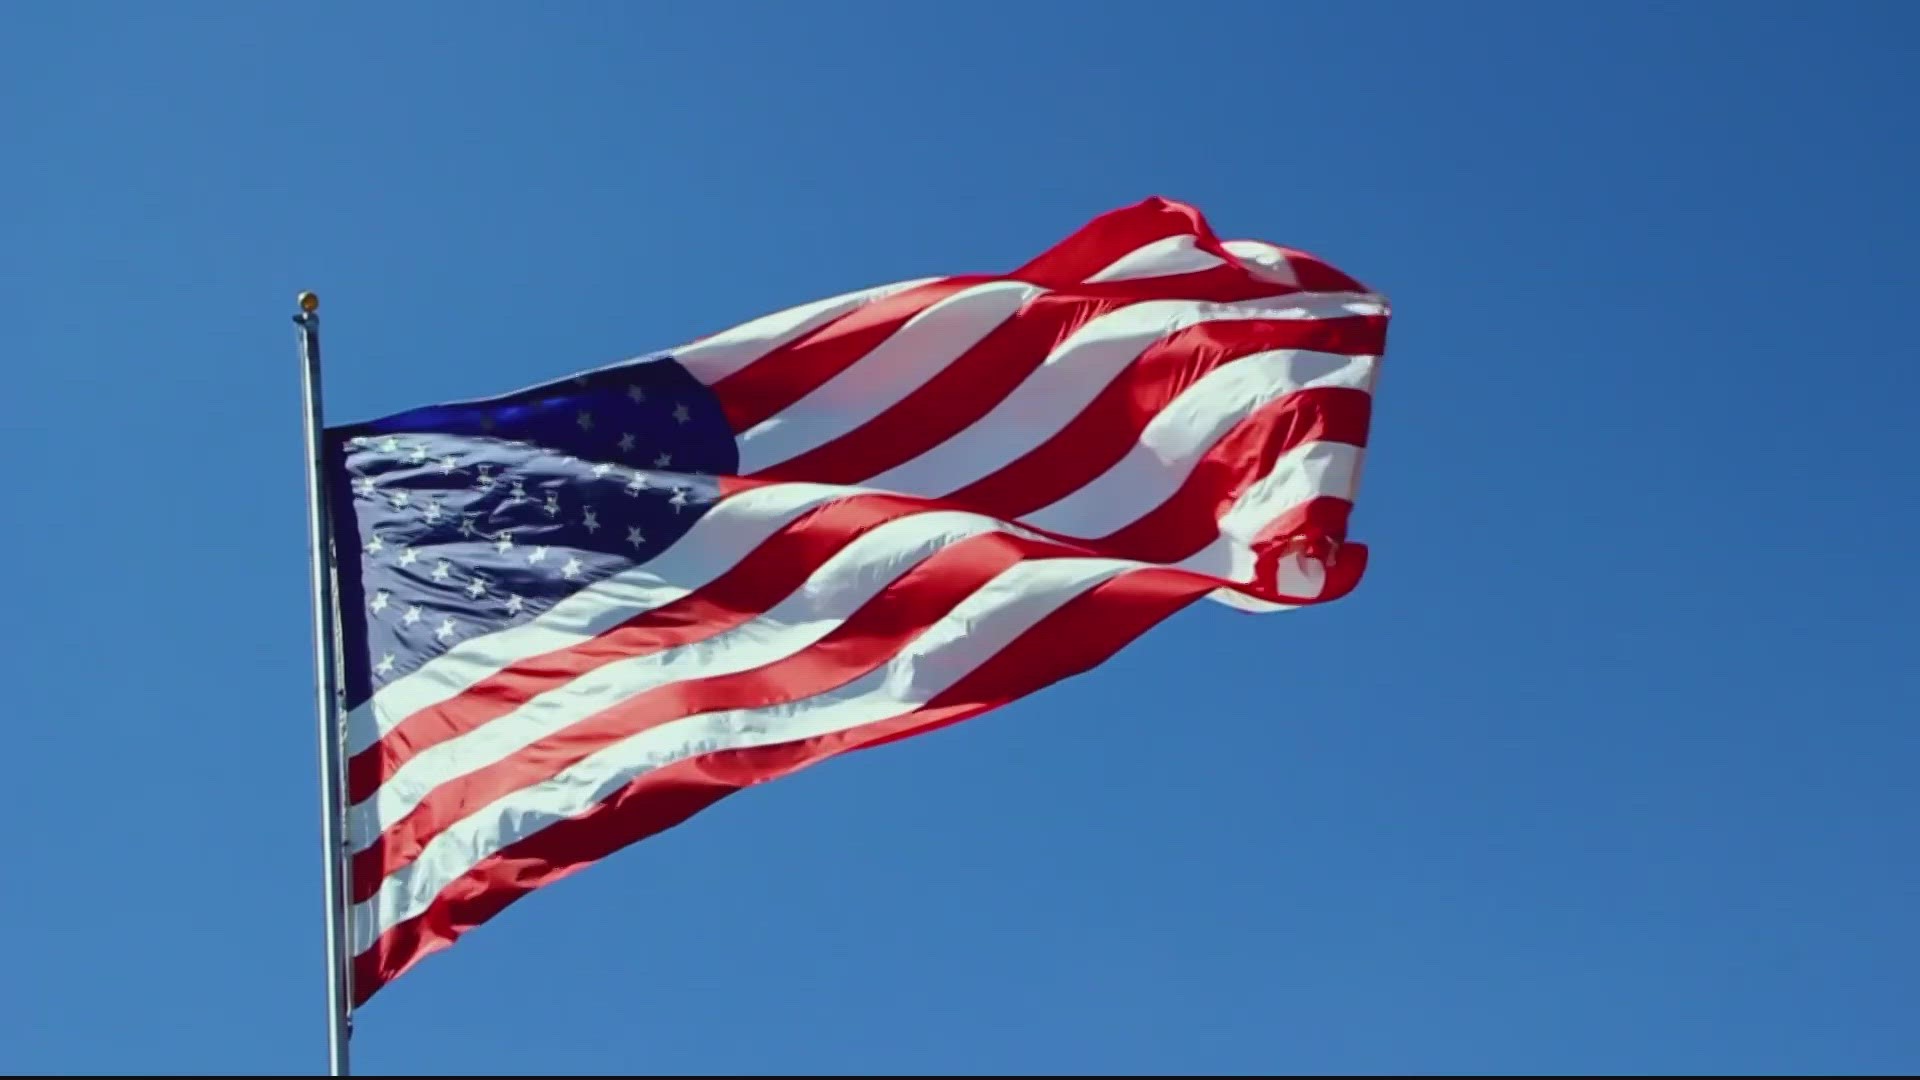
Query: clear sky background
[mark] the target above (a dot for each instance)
(1608, 765)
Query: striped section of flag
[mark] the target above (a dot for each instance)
(577, 614)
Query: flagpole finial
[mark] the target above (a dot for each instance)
(309, 302)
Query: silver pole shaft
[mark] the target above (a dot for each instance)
(332, 787)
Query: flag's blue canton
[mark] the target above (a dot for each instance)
(457, 520)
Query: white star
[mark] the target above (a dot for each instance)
(380, 600)
(444, 630)
(635, 536)
(447, 465)
(539, 553)
(433, 511)
(467, 527)
(519, 491)
(679, 499)
(504, 542)
(389, 445)
(601, 470)
(399, 499)
(681, 413)
(585, 420)
(375, 546)
(665, 459)
(476, 587)
(364, 486)
(571, 569)
(442, 570)
(636, 485)
(485, 480)
(408, 556)
(592, 521)
(553, 505)
(638, 395)
(385, 666)
(418, 455)
(412, 616)
(514, 604)
(626, 442)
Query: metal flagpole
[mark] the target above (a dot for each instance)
(332, 789)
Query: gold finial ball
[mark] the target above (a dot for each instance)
(309, 302)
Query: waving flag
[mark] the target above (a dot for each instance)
(575, 615)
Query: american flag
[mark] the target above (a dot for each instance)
(575, 615)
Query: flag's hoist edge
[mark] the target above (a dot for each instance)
(575, 615)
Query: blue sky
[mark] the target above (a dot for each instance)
(1608, 765)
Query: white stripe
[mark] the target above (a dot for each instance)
(722, 537)
(1324, 472)
(1074, 374)
(1297, 576)
(921, 350)
(1175, 440)
(1263, 260)
(1306, 471)
(714, 358)
(832, 593)
(923, 347)
(974, 631)
(1168, 255)
(1302, 473)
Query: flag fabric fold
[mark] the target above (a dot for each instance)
(575, 615)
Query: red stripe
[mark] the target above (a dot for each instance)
(952, 400)
(1317, 275)
(970, 386)
(1113, 235)
(792, 371)
(1318, 528)
(1189, 519)
(760, 580)
(866, 639)
(1078, 636)
(973, 383)
(1230, 284)
(1109, 237)
(1111, 425)
(656, 801)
